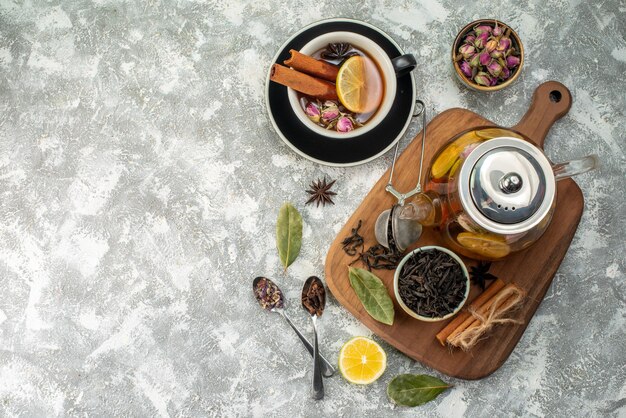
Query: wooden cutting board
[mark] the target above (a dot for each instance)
(532, 269)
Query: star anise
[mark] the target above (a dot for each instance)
(338, 51)
(479, 274)
(320, 192)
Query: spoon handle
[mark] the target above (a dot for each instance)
(327, 369)
(318, 384)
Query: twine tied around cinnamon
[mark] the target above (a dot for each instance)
(506, 301)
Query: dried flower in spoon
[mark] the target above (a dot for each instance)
(268, 294)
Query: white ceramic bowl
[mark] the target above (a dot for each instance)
(408, 310)
(377, 54)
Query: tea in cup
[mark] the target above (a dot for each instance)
(341, 84)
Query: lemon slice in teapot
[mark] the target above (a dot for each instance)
(451, 154)
(486, 245)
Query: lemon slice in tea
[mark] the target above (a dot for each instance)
(489, 246)
(359, 85)
(362, 361)
(451, 154)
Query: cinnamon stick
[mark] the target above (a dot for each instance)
(314, 67)
(480, 310)
(491, 291)
(303, 83)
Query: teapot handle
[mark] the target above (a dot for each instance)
(551, 101)
(571, 168)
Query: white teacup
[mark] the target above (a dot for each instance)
(390, 69)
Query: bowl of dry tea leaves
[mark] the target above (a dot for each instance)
(431, 283)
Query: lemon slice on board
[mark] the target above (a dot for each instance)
(489, 246)
(362, 360)
(359, 84)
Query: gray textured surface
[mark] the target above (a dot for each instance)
(140, 180)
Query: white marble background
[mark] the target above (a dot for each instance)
(140, 180)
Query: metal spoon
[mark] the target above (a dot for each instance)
(327, 369)
(313, 301)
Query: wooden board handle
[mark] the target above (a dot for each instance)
(550, 102)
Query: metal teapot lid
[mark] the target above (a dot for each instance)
(506, 185)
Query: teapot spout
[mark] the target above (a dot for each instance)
(425, 209)
(571, 168)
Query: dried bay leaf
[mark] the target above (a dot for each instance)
(373, 295)
(288, 234)
(415, 389)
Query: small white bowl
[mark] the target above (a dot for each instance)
(408, 310)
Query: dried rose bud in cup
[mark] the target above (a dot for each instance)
(313, 112)
(344, 124)
(330, 112)
(331, 115)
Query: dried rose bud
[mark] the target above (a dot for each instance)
(493, 81)
(506, 73)
(483, 79)
(497, 31)
(330, 114)
(475, 60)
(491, 45)
(512, 61)
(483, 29)
(344, 124)
(469, 39)
(466, 68)
(468, 149)
(485, 58)
(330, 111)
(494, 68)
(497, 54)
(481, 40)
(504, 44)
(467, 51)
(510, 51)
(313, 112)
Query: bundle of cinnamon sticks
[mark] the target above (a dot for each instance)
(491, 308)
(307, 75)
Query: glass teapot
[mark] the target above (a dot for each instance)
(490, 192)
